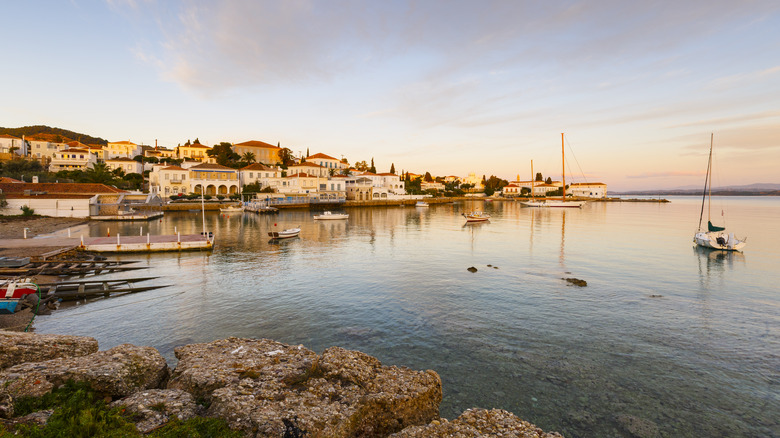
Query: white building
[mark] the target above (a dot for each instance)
(125, 149)
(309, 168)
(72, 159)
(9, 142)
(327, 162)
(588, 190)
(45, 149)
(169, 180)
(126, 164)
(257, 173)
(215, 178)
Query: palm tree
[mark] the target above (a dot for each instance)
(99, 173)
(249, 157)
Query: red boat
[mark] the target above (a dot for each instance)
(11, 291)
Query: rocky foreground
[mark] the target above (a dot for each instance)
(258, 386)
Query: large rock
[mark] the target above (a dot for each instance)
(117, 372)
(153, 408)
(271, 389)
(478, 422)
(19, 347)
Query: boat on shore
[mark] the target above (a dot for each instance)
(284, 234)
(421, 204)
(330, 216)
(476, 216)
(715, 237)
(13, 291)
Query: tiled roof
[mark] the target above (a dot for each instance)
(121, 159)
(386, 174)
(123, 142)
(257, 144)
(323, 156)
(173, 168)
(74, 150)
(5, 179)
(195, 145)
(9, 136)
(59, 188)
(306, 164)
(256, 166)
(302, 175)
(210, 166)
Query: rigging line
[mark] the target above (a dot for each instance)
(575, 160)
(120, 305)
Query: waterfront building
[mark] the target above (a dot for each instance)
(72, 159)
(215, 178)
(195, 151)
(431, 185)
(261, 174)
(265, 153)
(309, 168)
(327, 162)
(125, 149)
(126, 164)
(588, 190)
(167, 180)
(359, 188)
(300, 183)
(474, 180)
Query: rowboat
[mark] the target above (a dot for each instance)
(421, 204)
(232, 209)
(284, 234)
(330, 216)
(476, 216)
(12, 291)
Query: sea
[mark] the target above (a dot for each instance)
(666, 339)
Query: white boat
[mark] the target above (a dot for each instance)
(421, 204)
(233, 209)
(553, 203)
(476, 216)
(284, 234)
(330, 216)
(715, 237)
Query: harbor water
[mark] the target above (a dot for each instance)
(665, 338)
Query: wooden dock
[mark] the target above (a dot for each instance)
(119, 243)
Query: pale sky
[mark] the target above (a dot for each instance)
(449, 87)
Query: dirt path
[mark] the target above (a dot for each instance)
(12, 227)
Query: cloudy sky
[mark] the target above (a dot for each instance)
(450, 87)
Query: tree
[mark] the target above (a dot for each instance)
(372, 169)
(224, 154)
(392, 168)
(331, 171)
(548, 180)
(139, 158)
(539, 176)
(428, 177)
(99, 173)
(286, 157)
(361, 166)
(249, 157)
(307, 152)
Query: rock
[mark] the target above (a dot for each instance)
(656, 296)
(271, 389)
(637, 427)
(19, 347)
(153, 408)
(478, 422)
(472, 269)
(576, 281)
(117, 372)
(36, 418)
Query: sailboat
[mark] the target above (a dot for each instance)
(715, 237)
(554, 202)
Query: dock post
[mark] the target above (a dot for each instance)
(148, 239)
(141, 233)
(68, 232)
(82, 241)
(175, 229)
(25, 232)
(178, 237)
(117, 239)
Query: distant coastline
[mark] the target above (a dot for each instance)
(698, 193)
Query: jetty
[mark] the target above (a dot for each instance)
(119, 243)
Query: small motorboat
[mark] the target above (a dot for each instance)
(330, 216)
(284, 234)
(421, 204)
(233, 209)
(476, 216)
(13, 291)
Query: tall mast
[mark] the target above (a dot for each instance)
(706, 182)
(563, 168)
(533, 179)
(709, 176)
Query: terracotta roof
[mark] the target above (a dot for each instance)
(76, 144)
(256, 166)
(307, 164)
(368, 173)
(257, 144)
(74, 150)
(121, 159)
(210, 166)
(587, 184)
(302, 175)
(5, 179)
(122, 142)
(173, 168)
(9, 136)
(59, 188)
(195, 145)
(386, 174)
(327, 157)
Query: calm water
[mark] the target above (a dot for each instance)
(682, 339)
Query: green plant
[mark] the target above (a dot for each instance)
(26, 210)
(220, 197)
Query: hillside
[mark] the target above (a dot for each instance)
(58, 135)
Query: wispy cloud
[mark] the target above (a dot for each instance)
(743, 78)
(665, 174)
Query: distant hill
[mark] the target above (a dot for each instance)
(58, 135)
(756, 189)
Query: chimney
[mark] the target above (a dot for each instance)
(35, 179)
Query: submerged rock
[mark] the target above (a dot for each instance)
(18, 347)
(269, 389)
(637, 427)
(478, 423)
(576, 281)
(117, 372)
(472, 269)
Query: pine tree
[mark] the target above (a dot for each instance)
(392, 168)
(372, 169)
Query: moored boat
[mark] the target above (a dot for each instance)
(284, 234)
(12, 291)
(233, 209)
(421, 204)
(330, 216)
(476, 216)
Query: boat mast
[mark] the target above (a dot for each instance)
(706, 180)
(563, 168)
(709, 172)
(533, 179)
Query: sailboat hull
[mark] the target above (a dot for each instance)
(552, 203)
(719, 240)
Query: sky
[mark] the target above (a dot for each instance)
(448, 87)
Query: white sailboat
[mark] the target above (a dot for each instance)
(715, 237)
(554, 203)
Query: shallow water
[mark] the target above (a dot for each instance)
(675, 338)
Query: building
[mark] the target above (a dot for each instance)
(431, 185)
(327, 162)
(126, 164)
(265, 153)
(125, 149)
(359, 188)
(72, 159)
(588, 190)
(217, 179)
(44, 150)
(195, 151)
(257, 173)
(309, 168)
(473, 180)
(10, 144)
(169, 180)
(54, 199)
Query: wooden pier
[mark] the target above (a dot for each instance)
(119, 243)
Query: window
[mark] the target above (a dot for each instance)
(250, 175)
